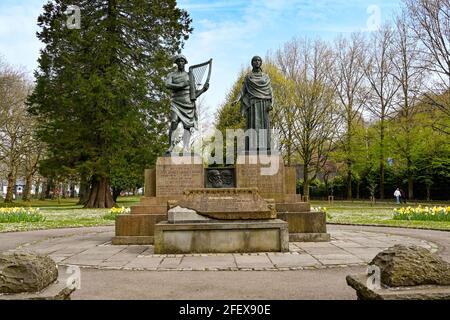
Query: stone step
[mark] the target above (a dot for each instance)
(293, 207)
(305, 222)
(161, 201)
(149, 209)
(137, 225)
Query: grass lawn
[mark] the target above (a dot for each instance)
(359, 212)
(67, 214)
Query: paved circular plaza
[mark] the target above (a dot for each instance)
(93, 249)
(309, 271)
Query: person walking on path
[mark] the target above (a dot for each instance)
(397, 195)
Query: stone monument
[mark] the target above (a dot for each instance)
(250, 207)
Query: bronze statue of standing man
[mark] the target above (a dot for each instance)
(183, 108)
(256, 99)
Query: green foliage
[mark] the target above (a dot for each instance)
(99, 95)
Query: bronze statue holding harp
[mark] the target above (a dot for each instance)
(186, 88)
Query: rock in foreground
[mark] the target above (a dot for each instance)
(403, 266)
(23, 272)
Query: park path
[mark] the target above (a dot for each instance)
(308, 271)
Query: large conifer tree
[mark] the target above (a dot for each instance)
(99, 92)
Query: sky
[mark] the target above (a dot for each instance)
(230, 32)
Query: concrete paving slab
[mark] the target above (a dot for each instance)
(245, 261)
(144, 263)
(211, 262)
(170, 263)
(331, 250)
(293, 260)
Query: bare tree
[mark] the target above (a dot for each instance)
(384, 87)
(348, 79)
(411, 78)
(312, 120)
(429, 21)
(15, 128)
(288, 61)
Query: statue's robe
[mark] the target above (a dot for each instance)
(256, 103)
(182, 107)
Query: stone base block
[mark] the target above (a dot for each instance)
(305, 222)
(127, 241)
(149, 209)
(267, 173)
(136, 225)
(222, 237)
(293, 198)
(156, 201)
(227, 204)
(293, 207)
(309, 237)
(428, 292)
(176, 174)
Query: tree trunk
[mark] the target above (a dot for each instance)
(100, 194)
(49, 188)
(36, 187)
(349, 150)
(410, 181)
(382, 168)
(11, 187)
(72, 190)
(428, 192)
(63, 192)
(305, 182)
(349, 182)
(83, 194)
(357, 189)
(27, 191)
(43, 189)
(116, 193)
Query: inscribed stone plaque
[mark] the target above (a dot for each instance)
(267, 174)
(176, 174)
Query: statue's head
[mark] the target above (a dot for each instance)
(256, 62)
(178, 57)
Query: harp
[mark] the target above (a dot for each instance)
(197, 75)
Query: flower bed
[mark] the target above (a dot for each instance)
(423, 213)
(114, 212)
(14, 215)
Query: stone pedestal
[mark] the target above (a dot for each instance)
(176, 174)
(290, 180)
(265, 189)
(167, 181)
(150, 183)
(267, 173)
(222, 237)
